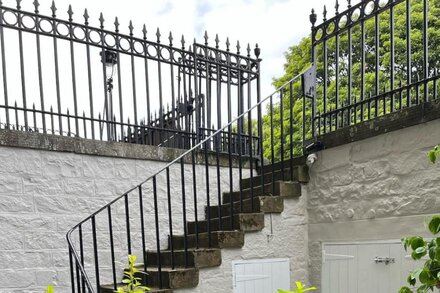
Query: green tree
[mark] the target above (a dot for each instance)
(298, 58)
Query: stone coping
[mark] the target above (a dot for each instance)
(400, 119)
(49, 142)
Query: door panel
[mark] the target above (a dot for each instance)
(261, 276)
(353, 268)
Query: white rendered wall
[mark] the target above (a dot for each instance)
(44, 193)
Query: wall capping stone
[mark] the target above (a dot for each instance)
(76, 145)
(404, 118)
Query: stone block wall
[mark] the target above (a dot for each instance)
(44, 193)
(381, 188)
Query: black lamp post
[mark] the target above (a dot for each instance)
(109, 59)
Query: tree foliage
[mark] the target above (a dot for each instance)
(298, 58)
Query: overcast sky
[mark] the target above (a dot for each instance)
(273, 24)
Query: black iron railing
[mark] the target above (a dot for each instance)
(150, 215)
(374, 58)
(68, 78)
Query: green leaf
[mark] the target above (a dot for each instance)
(432, 156)
(417, 242)
(434, 225)
(405, 290)
(424, 277)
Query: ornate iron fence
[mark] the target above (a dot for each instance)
(374, 58)
(67, 78)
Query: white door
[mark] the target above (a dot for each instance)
(260, 276)
(365, 267)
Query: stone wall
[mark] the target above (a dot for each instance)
(381, 188)
(44, 193)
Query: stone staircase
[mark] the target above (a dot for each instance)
(223, 234)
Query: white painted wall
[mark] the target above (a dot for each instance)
(44, 193)
(380, 188)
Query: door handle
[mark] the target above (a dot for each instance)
(385, 260)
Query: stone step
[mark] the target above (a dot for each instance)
(247, 222)
(299, 173)
(111, 289)
(178, 278)
(261, 204)
(286, 164)
(219, 239)
(198, 258)
(280, 188)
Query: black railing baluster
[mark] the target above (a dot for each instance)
(72, 62)
(118, 64)
(133, 81)
(156, 220)
(337, 44)
(127, 222)
(194, 180)
(95, 253)
(57, 72)
(4, 72)
(141, 211)
(81, 251)
(89, 72)
(112, 246)
(392, 58)
(22, 65)
(72, 272)
(408, 53)
(291, 144)
(363, 62)
(208, 199)
(425, 49)
(350, 73)
(147, 81)
(170, 218)
(272, 144)
(39, 66)
(185, 227)
(282, 138)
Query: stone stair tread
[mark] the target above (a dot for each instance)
(241, 221)
(109, 288)
(280, 188)
(197, 257)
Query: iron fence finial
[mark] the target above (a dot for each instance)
(101, 20)
(324, 13)
(70, 13)
(182, 41)
(144, 31)
(227, 44)
(36, 5)
(158, 35)
(248, 49)
(238, 47)
(131, 28)
(217, 41)
(86, 16)
(19, 4)
(257, 51)
(116, 24)
(206, 38)
(54, 9)
(170, 38)
(313, 17)
(349, 3)
(337, 7)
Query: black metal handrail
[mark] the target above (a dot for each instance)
(77, 256)
(367, 64)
